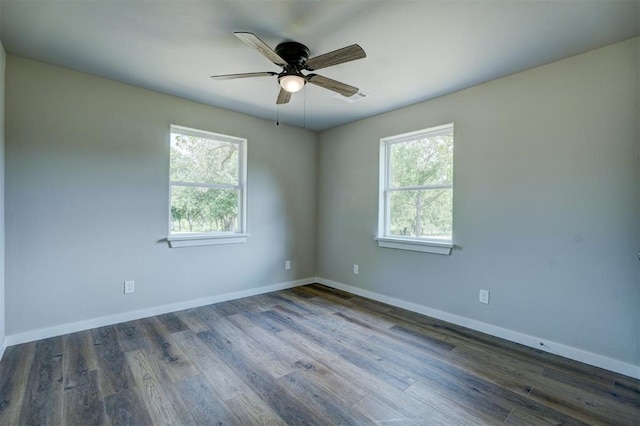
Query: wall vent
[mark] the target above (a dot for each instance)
(351, 99)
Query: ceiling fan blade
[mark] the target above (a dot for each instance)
(336, 86)
(244, 75)
(340, 56)
(283, 97)
(252, 40)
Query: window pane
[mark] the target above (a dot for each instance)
(195, 209)
(203, 160)
(422, 213)
(426, 161)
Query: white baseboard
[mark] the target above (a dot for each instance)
(513, 336)
(58, 330)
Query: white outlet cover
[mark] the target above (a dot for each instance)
(356, 269)
(287, 264)
(484, 296)
(129, 286)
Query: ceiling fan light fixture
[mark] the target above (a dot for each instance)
(293, 58)
(292, 83)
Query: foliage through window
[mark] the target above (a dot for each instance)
(208, 183)
(416, 186)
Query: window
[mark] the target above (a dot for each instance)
(415, 209)
(208, 189)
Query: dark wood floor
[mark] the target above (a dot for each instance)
(310, 355)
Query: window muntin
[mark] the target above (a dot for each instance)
(207, 183)
(416, 199)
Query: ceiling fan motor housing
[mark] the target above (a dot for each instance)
(296, 54)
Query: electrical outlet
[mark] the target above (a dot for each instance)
(129, 286)
(287, 264)
(356, 269)
(484, 296)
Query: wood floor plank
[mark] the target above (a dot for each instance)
(300, 292)
(190, 318)
(332, 410)
(300, 305)
(225, 382)
(425, 343)
(579, 383)
(380, 413)
(480, 393)
(78, 357)
(261, 321)
(422, 341)
(162, 408)
(126, 408)
(250, 409)
(270, 359)
(83, 404)
(206, 407)
(450, 381)
(260, 303)
(520, 417)
(453, 379)
(42, 401)
(364, 318)
(584, 404)
(421, 363)
(287, 354)
(172, 322)
(331, 382)
(113, 371)
(333, 292)
(495, 344)
(495, 360)
(129, 336)
(14, 373)
(227, 308)
(207, 316)
(221, 377)
(198, 353)
(353, 356)
(505, 376)
(435, 397)
(260, 381)
(632, 386)
(175, 365)
(419, 412)
(392, 397)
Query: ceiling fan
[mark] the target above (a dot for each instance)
(293, 57)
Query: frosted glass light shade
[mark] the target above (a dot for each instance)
(292, 83)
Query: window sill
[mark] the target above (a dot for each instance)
(179, 241)
(435, 247)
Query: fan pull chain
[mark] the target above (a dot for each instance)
(277, 115)
(304, 110)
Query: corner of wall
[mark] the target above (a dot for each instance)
(2, 298)
(317, 206)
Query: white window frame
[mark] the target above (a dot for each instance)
(213, 238)
(384, 238)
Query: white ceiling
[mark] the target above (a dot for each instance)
(416, 50)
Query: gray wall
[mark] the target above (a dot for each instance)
(546, 204)
(2, 299)
(87, 200)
